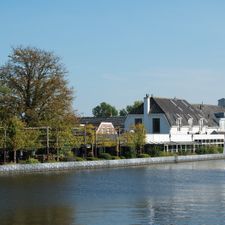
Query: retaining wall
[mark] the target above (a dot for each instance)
(41, 167)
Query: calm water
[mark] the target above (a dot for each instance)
(189, 193)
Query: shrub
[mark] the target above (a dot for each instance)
(69, 154)
(32, 161)
(106, 156)
(183, 152)
(153, 151)
(92, 159)
(143, 156)
(79, 159)
(129, 152)
(163, 154)
(115, 157)
(209, 150)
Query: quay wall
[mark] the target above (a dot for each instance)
(60, 166)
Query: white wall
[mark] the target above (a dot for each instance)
(130, 120)
(147, 121)
(164, 125)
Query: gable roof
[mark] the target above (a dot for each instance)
(174, 109)
(117, 121)
(209, 112)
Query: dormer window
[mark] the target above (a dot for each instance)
(201, 124)
(179, 123)
(190, 123)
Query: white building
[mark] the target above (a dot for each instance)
(177, 125)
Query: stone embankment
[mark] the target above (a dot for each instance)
(60, 166)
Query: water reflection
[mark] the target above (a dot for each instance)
(189, 193)
(38, 216)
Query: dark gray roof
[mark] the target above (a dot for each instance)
(117, 121)
(174, 109)
(179, 108)
(210, 112)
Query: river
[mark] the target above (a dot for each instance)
(183, 193)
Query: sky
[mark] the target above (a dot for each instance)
(117, 51)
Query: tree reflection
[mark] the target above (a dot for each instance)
(57, 215)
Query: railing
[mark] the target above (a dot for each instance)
(164, 138)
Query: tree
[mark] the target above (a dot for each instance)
(123, 112)
(130, 108)
(104, 110)
(135, 138)
(139, 136)
(33, 86)
(18, 137)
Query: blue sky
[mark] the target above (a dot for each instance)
(118, 50)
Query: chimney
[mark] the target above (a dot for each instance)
(146, 104)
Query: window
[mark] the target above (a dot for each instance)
(156, 125)
(138, 121)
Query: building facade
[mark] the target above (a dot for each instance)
(176, 125)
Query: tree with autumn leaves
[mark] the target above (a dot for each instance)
(34, 92)
(34, 87)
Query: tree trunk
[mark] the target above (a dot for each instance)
(14, 155)
(4, 156)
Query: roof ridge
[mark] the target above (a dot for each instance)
(169, 98)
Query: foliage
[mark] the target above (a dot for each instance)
(164, 154)
(106, 156)
(92, 158)
(104, 110)
(123, 112)
(107, 140)
(153, 151)
(32, 161)
(129, 152)
(135, 138)
(209, 150)
(130, 108)
(79, 159)
(36, 87)
(143, 156)
(187, 152)
(20, 138)
(115, 157)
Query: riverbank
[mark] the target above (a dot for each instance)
(60, 166)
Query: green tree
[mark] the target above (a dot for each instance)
(104, 110)
(63, 135)
(18, 137)
(130, 108)
(135, 138)
(123, 112)
(139, 136)
(34, 87)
